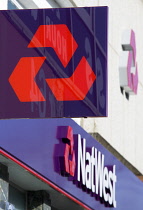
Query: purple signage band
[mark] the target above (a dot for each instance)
(63, 155)
(53, 63)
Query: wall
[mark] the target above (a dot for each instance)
(3, 4)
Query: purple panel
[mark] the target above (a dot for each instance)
(40, 144)
(53, 63)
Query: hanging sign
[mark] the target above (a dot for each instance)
(53, 63)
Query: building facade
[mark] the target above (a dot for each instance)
(121, 131)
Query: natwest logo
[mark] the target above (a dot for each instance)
(59, 68)
(128, 69)
(87, 167)
(71, 88)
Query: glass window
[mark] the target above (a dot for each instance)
(14, 4)
(17, 198)
(11, 5)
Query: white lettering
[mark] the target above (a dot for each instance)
(110, 199)
(105, 183)
(114, 181)
(94, 175)
(92, 170)
(88, 170)
(99, 164)
(81, 159)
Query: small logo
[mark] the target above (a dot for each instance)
(128, 70)
(67, 160)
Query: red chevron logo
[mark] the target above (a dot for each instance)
(57, 37)
(73, 88)
(22, 79)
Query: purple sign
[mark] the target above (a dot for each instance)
(62, 154)
(53, 63)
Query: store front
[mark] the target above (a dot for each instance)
(56, 164)
(57, 71)
(24, 190)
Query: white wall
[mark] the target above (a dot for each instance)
(3, 4)
(123, 128)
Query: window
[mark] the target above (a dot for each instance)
(17, 198)
(13, 4)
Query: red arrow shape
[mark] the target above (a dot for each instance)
(75, 87)
(59, 38)
(22, 79)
